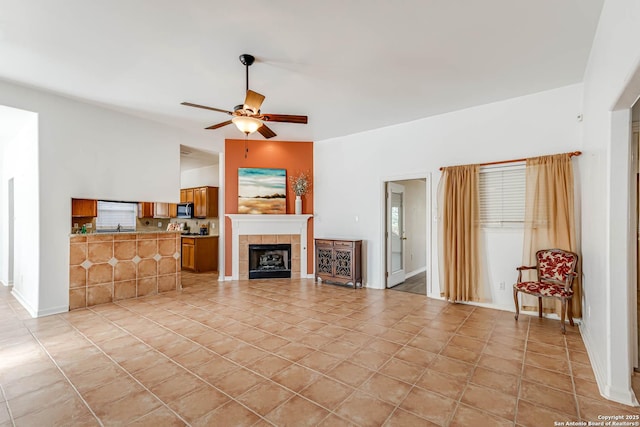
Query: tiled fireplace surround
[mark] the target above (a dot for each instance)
(268, 229)
(268, 239)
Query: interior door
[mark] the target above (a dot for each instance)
(395, 234)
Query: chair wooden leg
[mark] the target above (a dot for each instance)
(515, 299)
(539, 306)
(570, 311)
(563, 310)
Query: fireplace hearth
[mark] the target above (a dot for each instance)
(269, 261)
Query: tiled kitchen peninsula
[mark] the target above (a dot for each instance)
(107, 267)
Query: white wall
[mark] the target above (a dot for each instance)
(612, 81)
(200, 177)
(19, 159)
(92, 152)
(349, 170)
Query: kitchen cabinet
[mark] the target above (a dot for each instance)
(200, 254)
(206, 202)
(84, 208)
(339, 261)
(204, 199)
(188, 251)
(161, 210)
(186, 195)
(157, 210)
(145, 210)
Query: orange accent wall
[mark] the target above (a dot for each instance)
(295, 157)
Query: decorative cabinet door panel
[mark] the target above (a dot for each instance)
(325, 261)
(342, 263)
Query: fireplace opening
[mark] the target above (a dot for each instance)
(269, 261)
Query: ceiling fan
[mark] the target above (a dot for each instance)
(247, 117)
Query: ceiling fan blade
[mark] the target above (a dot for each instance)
(266, 131)
(189, 104)
(253, 101)
(286, 118)
(219, 125)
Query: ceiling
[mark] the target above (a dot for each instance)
(192, 158)
(350, 65)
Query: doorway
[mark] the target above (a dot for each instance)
(406, 235)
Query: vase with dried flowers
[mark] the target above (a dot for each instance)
(300, 185)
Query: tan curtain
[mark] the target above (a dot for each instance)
(459, 235)
(550, 219)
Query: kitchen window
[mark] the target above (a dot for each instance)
(116, 216)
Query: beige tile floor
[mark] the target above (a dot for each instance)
(291, 353)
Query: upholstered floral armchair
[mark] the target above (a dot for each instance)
(556, 271)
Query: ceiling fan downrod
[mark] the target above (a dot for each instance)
(247, 60)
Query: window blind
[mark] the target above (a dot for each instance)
(502, 196)
(112, 214)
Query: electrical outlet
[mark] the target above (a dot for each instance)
(502, 288)
(88, 225)
(159, 224)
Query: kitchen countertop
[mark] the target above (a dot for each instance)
(123, 232)
(198, 236)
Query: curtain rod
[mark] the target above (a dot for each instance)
(571, 154)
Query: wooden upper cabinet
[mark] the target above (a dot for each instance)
(157, 210)
(161, 210)
(206, 202)
(145, 210)
(200, 203)
(84, 208)
(204, 199)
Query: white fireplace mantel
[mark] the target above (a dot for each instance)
(243, 224)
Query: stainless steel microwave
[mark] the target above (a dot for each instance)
(185, 210)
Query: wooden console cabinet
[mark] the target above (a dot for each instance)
(339, 261)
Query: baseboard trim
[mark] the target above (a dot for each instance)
(415, 272)
(53, 310)
(18, 296)
(6, 284)
(626, 397)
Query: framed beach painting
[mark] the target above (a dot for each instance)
(262, 191)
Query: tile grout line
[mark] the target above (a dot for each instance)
(252, 371)
(296, 362)
(122, 369)
(353, 317)
(524, 358)
(6, 402)
(66, 377)
(573, 381)
(197, 375)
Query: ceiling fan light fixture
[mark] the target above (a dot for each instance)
(247, 124)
